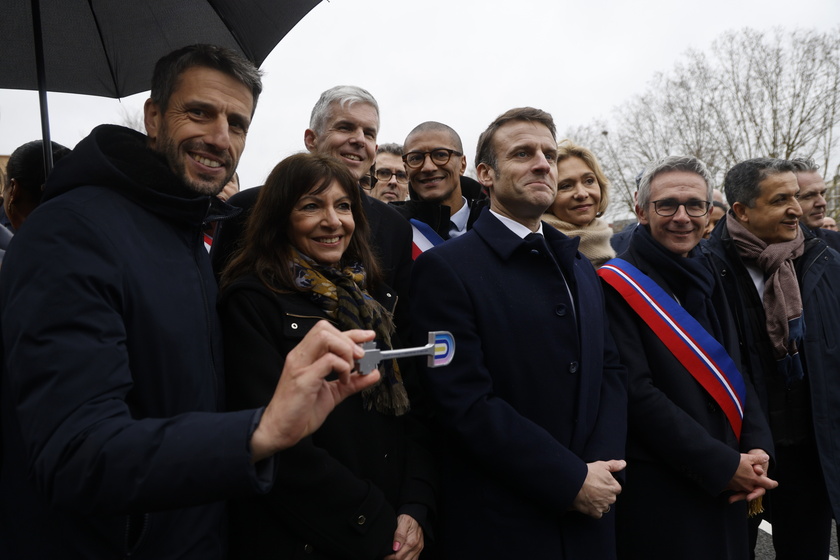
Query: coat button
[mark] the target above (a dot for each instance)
(307, 548)
(388, 294)
(573, 367)
(535, 252)
(294, 325)
(361, 520)
(560, 310)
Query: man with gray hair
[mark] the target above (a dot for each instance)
(696, 433)
(782, 283)
(344, 124)
(812, 191)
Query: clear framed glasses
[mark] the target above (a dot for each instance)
(385, 175)
(440, 156)
(668, 207)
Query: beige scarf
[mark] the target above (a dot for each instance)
(594, 238)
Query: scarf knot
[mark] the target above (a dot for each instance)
(782, 299)
(689, 279)
(594, 238)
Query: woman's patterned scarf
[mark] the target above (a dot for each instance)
(340, 293)
(594, 238)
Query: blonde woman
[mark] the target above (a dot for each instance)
(582, 197)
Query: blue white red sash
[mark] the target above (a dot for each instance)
(700, 354)
(423, 238)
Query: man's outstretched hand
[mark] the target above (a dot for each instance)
(304, 398)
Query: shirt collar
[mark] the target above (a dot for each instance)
(459, 219)
(514, 226)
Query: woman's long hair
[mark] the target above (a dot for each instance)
(267, 249)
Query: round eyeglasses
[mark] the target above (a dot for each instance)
(667, 207)
(385, 175)
(440, 156)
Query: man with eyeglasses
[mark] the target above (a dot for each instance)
(697, 440)
(441, 198)
(783, 285)
(390, 181)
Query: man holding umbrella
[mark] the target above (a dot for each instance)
(112, 443)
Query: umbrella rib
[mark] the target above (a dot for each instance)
(248, 55)
(104, 49)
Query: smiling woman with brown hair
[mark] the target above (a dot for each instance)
(346, 491)
(582, 197)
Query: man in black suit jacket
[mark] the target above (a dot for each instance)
(782, 284)
(683, 450)
(532, 408)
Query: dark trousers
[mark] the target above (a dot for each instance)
(799, 509)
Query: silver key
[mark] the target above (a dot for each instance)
(440, 350)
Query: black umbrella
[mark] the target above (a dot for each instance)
(109, 47)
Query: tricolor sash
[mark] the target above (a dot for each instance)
(703, 356)
(423, 238)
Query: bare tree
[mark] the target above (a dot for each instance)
(755, 94)
(132, 119)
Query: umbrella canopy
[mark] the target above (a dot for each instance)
(109, 47)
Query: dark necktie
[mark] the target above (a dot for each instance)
(452, 228)
(538, 245)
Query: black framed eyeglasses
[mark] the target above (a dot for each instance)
(667, 207)
(366, 182)
(385, 175)
(440, 156)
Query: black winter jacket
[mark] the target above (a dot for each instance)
(810, 410)
(112, 446)
(338, 492)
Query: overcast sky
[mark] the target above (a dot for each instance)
(461, 62)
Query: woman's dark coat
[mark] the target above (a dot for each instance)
(337, 493)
